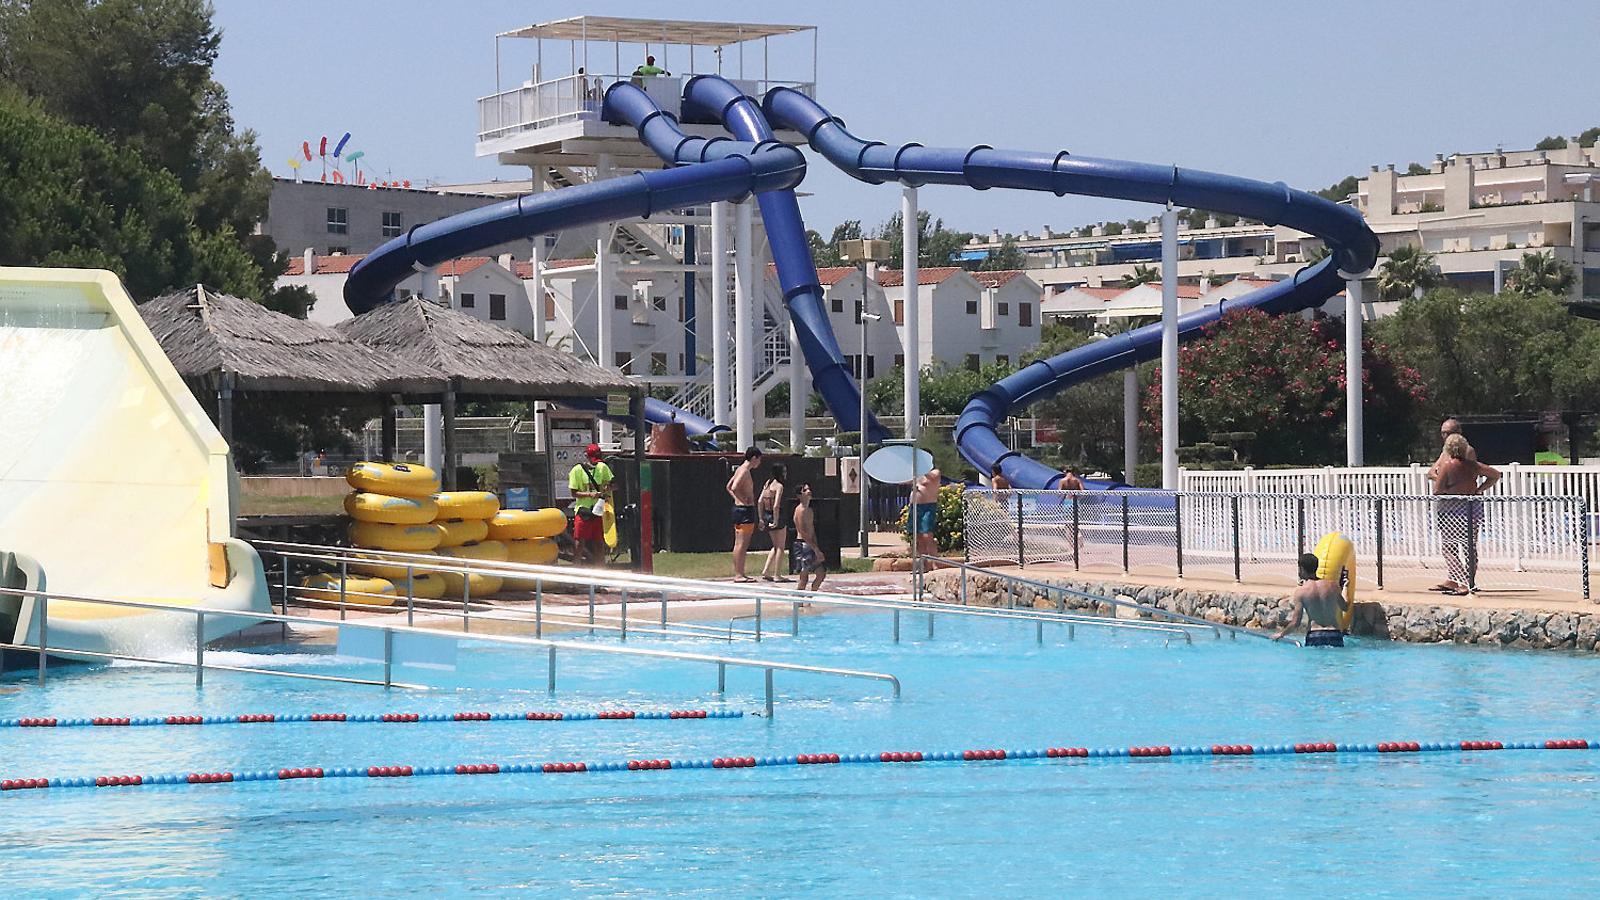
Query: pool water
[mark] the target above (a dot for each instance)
(1486, 823)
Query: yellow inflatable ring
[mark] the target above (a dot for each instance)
(527, 524)
(467, 504)
(462, 531)
(540, 552)
(1336, 559)
(423, 587)
(395, 572)
(482, 585)
(367, 507)
(366, 591)
(394, 479)
(400, 538)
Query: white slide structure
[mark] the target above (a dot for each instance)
(113, 481)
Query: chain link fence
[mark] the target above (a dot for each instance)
(1494, 544)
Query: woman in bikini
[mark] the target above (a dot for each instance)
(769, 508)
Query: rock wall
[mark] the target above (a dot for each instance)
(1415, 622)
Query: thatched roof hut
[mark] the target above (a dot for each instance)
(479, 358)
(224, 341)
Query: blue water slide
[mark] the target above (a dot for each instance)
(711, 99)
(1353, 245)
(733, 172)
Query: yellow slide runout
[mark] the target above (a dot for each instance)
(1336, 558)
(462, 531)
(527, 524)
(393, 479)
(368, 507)
(400, 538)
(467, 504)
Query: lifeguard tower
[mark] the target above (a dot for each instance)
(653, 298)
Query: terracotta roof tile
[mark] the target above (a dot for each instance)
(929, 275)
(339, 264)
(462, 266)
(996, 279)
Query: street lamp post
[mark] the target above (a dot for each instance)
(863, 253)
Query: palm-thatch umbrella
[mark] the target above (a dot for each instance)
(226, 343)
(484, 360)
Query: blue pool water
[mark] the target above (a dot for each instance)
(1488, 823)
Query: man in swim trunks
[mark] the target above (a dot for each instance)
(805, 554)
(742, 488)
(1320, 602)
(925, 507)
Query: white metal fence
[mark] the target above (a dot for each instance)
(1501, 545)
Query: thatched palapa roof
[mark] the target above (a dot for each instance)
(208, 335)
(479, 358)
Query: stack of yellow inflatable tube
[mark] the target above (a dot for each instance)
(482, 585)
(1336, 558)
(365, 591)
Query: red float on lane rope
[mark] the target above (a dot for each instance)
(1579, 744)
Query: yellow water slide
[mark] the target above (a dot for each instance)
(113, 481)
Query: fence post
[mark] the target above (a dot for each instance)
(1233, 505)
(1377, 506)
(1177, 528)
(1021, 559)
(538, 607)
(624, 614)
(1124, 534)
(1585, 535)
(466, 602)
(388, 657)
(591, 610)
(1076, 538)
(550, 683)
(199, 648)
(1299, 525)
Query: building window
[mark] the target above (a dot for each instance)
(468, 301)
(1025, 315)
(624, 363)
(549, 308)
(660, 303)
(683, 309)
(338, 220)
(899, 310)
(838, 303)
(900, 359)
(1002, 359)
(680, 362)
(972, 307)
(620, 302)
(393, 224)
(658, 364)
(858, 311)
(1002, 309)
(497, 307)
(338, 251)
(871, 368)
(972, 362)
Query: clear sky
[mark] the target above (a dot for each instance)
(1301, 92)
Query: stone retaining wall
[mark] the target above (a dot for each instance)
(1415, 622)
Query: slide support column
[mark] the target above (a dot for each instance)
(910, 247)
(744, 316)
(602, 294)
(1130, 422)
(720, 366)
(1355, 438)
(1169, 349)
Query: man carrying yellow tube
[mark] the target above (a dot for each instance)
(1320, 601)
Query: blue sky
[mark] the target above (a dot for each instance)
(1300, 92)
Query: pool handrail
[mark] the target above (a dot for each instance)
(1120, 601)
(655, 584)
(200, 612)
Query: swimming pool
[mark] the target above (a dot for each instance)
(1425, 823)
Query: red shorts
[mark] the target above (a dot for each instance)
(588, 528)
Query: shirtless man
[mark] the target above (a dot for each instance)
(925, 507)
(805, 554)
(1320, 601)
(742, 488)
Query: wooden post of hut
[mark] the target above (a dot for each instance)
(451, 460)
(225, 406)
(390, 435)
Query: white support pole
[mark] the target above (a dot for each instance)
(1130, 422)
(536, 292)
(744, 323)
(1355, 437)
(1169, 349)
(432, 413)
(603, 277)
(720, 367)
(910, 246)
(799, 392)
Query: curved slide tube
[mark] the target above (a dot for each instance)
(732, 171)
(716, 100)
(982, 167)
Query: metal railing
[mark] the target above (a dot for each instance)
(574, 97)
(630, 584)
(43, 648)
(1403, 542)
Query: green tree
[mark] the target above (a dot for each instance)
(1553, 142)
(1588, 136)
(1541, 273)
(1008, 257)
(1282, 378)
(1141, 274)
(826, 253)
(1340, 190)
(936, 244)
(1408, 269)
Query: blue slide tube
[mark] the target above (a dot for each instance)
(713, 99)
(732, 172)
(1353, 245)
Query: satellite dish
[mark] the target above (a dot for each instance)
(897, 464)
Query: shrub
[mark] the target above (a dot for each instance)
(949, 522)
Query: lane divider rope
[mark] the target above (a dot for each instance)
(804, 759)
(390, 718)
